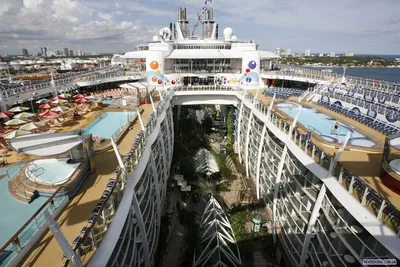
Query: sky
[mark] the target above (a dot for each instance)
(324, 26)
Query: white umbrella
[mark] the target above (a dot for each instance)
(15, 133)
(59, 101)
(59, 109)
(43, 101)
(65, 95)
(24, 115)
(18, 109)
(14, 122)
(90, 97)
(31, 126)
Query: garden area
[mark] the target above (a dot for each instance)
(190, 137)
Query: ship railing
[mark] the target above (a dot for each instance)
(124, 125)
(344, 228)
(26, 237)
(93, 232)
(207, 88)
(368, 197)
(382, 208)
(92, 76)
(378, 85)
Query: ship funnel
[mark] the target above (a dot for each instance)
(183, 23)
(208, 24)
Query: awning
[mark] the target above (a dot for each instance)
(46, 144)
(135, 85)
(199, 53)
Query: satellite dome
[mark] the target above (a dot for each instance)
(228, 33)
(234, 38)
(156, 38)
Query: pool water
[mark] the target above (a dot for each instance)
(55, 171)
(108, 123)
(14, 213)
(323, 125)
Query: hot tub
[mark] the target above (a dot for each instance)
(51, 171)
(395, 165)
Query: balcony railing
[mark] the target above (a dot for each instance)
(24, 235)
(382, 208)
(102, 216)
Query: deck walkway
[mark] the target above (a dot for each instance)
(365, 164)
(47, 252)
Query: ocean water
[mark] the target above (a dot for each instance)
(387, 74)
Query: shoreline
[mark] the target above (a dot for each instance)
(349, 67)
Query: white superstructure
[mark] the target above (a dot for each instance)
(175, 58)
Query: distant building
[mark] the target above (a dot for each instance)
(348, 54)
(25, 52)
(307, 53)
(65, 52)
(79, 53)
(71, 52)
(332, 54)
(278, 52)
(51, 53)
(288, 52)
(321, 55)
(43, 51)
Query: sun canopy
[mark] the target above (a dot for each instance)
(135, 85)
(205, 162)
(218, 244)
(47, 144)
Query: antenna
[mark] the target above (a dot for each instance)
(200, 15)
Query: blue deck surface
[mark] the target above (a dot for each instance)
(14, 213)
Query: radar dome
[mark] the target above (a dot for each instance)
(228, 33)
(156, 38)
(234, 38)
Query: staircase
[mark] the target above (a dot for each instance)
(259, 260)
(22, 187)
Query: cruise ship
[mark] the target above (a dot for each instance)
(321, 151)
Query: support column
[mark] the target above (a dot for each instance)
(158, 199)
(62, 241)
(152, 104)
(172, 134)
(270, 107)
(120, 161)
(311, 224)
(339, 153)
(249, 126)
(142, 229)
(239, 131)
(279, 174)
(260, 148)
(140, 120)
(163, 148)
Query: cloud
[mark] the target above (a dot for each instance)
(115, 25)
(105, 16)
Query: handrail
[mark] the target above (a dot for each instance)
(323, 157)
(116, 184)
(314, 130)
(14, 238)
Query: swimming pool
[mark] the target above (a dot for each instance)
(108, 123)
(55, 171)
(322, 125)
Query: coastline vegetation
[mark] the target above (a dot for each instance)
(341, 61)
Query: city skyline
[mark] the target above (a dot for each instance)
(111, 26)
